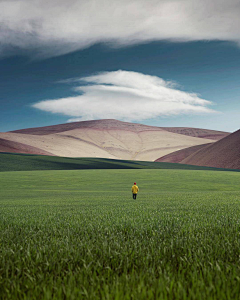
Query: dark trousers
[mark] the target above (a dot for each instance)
(134, 196)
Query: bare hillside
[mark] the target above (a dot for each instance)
(224, 153)
(106, 138)
(178, 156)
(15, 147)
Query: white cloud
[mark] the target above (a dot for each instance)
(125, 95)
(59, 26)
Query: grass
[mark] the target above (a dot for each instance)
(78, 234)
(28, 162)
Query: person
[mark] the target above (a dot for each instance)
(135, 190)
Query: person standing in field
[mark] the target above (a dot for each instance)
(135, 190)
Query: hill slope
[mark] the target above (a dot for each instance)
(178, 156)
(109, 139)
(15, 147)
(224, 153)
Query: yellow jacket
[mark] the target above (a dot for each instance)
(135, 189)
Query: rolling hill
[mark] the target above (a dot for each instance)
(225, 153)
(178, 156)
(106, 139)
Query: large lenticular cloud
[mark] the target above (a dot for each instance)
(60, 26)
(125, 95)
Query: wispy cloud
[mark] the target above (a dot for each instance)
(125, 95)
(60, 26)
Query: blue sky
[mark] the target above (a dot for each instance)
(179, 72)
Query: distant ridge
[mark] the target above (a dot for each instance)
(225, 153)
(106, 139)
(197, 132)
(106, 124)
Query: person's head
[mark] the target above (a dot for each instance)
(135, 183)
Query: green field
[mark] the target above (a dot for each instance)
(28, 162)
(78, 234)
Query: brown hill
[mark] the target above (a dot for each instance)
(15, 147)
(225, 153)
(178, 156)
(108, 139)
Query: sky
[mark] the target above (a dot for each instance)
(173, 63)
